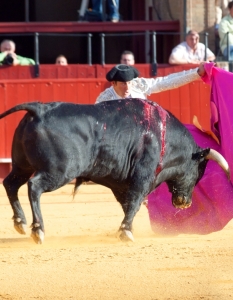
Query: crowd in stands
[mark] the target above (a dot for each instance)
(190, 51)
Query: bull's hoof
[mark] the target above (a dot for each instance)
(38, 236)
(126, 236)
(19, 226)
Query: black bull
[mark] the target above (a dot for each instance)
(130, 146)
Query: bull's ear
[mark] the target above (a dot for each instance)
(199, 155)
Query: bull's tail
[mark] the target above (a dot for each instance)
(33, 108)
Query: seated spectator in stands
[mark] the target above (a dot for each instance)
(190, 51)
(127, 58)
(10, 58)
(61, 60)
(225, 31)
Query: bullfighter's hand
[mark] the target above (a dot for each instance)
(201, 69)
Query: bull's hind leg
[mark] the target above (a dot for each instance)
(12, 183)
(40, 183)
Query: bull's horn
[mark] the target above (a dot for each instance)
(216, 156)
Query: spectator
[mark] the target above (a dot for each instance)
(221, 10)
(127, 58)
(61, 60)
(126, 84)
(225, 26)
(190, 51)
(112, 6)
(10, 58)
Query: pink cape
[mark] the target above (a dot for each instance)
(212, 200)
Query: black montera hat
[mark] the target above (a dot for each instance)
(122, 73)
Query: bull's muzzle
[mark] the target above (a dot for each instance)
(181, 202)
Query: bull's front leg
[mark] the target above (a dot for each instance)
(130, 208)
(130, 202)
(12, 183)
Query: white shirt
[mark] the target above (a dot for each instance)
(184, 52)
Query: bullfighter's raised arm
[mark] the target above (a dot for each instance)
(126, 83)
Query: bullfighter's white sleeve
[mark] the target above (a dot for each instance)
(160, 84)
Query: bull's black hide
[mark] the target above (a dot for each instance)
(129, 146)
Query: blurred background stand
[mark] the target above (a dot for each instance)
(82, 11)
(90, 15)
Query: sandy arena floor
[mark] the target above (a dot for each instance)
(82, 259)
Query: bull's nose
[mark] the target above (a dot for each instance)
(181, 202)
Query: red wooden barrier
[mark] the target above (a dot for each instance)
(184, 102)
(63, 27)
(80, 71)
